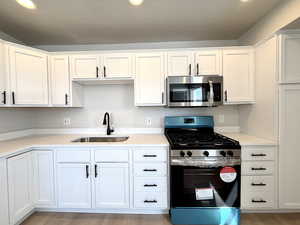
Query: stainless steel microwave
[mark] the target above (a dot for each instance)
(194, 91)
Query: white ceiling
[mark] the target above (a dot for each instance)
(115, 21)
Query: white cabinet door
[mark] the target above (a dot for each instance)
(20, 186)
(85, 66)
(238, 72)
(4, 219)
(289, 152)
(29, 77)
(289, 53)
(119, 65)
(60, 80)
(111, 185)
(74, 185)
(3, 76)
(180, 63)
(208, 62)
(150, 79)
(43, 173)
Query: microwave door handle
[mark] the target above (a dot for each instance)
(211, 92)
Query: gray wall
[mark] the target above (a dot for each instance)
(119, 100)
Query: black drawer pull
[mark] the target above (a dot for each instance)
(260, 155)
(150, 170)
(96, 170)
(150, 185)
(66, 99)
(87, 171)
(261, 168)
(97, 71)
(13, 98)
(4, 97)
(148, 201)
(258, 184)
(149, 156)
(259, 201)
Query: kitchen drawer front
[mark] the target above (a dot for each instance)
(258, 154)
(258, 184)
(257, 168)
(150, 169)
(73, 156)
(149, 184)
(255, 200)
(150, 155)
(120, 155)
(150, 200)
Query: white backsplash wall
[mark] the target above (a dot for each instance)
(119, 100)
(16, 119)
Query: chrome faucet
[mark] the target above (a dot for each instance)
(106, 121)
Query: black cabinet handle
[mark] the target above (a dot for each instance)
(225, 96)
(13, 98)
(87, 171)
(104, 71)
(260, 155)
(66, 99)
(149, 156)
(150, 201)
(261, 168)
(259, 201)
(96, 170)
(197, 68)
(150, 185)
(162, 97)
(258, 184)
(190, 69)
(150, 170)
(97, 71)
(4, 97)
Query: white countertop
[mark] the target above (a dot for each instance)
(20, 145)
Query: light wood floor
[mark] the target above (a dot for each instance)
(117, 219)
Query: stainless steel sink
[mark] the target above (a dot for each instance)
(101, 139)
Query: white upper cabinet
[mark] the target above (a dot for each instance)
(181, 63)
(60, 80)
(208, 62)
(289, 154)
(289, 54)
(85, 66)
(111, 185)
(3, 76)
(29, 77)
(150, 79)
(238, 72)
(20, 186)
(43, 174)
(118, 65)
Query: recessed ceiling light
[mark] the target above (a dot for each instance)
(244, 0)
(27, 4)
(136, 2)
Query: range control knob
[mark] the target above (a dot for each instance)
(223, 153)
(182, 153)
(230, 153)
(189, 153)
(206, 153)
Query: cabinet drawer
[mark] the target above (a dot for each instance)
(257, 168)
(255, 200)
(120, 155)
(258, 154)
(258, 184)
(73, 155)
(150, 169)
(150, 155)
(150, 184)
(150, 200)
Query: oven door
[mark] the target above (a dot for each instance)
(205, 187)
(195, 91)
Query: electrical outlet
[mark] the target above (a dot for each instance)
(148, 121)
(67, 121)
(221, 118)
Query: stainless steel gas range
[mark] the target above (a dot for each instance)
(205, 173)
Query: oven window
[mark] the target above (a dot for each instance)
(194, 92)
(202, 187)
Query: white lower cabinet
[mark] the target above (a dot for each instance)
(4, 218)
(111, 185)
(74, 185)
(20, 186)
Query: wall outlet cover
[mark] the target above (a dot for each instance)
(67, 121)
